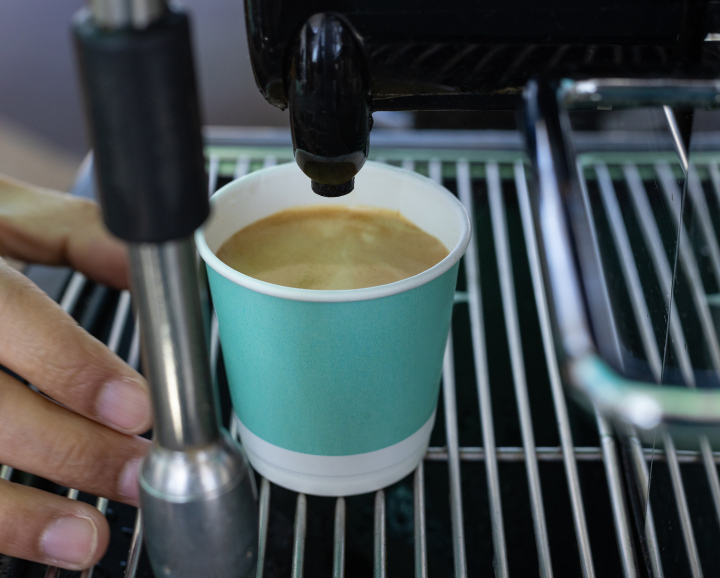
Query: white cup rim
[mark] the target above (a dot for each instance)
(338, 295)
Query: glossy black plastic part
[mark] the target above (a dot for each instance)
(144, 116)
(461, 54)
(328, 98)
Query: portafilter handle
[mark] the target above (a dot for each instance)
(141, 99)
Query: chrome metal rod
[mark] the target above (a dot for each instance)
(137, 539)
(561, 412)
(477, 328)
(135, 547)
(379, 542)
(715, 179)
(643, 478)
(689, 265)
(697, 196)
(172, 342)
(242, 167)
(628, 265)
(421, 570)
(451, 432)
(641, 313)
(602, 282)
(213, 170)
(654, 243)
(5, 472)
(339, 539)
(456, 513)
(435, 170)
(512, 326)
(682, 507)
(134, 353)
(115, 14)
(556, 454)
(652, 351)
(677, 137)
(299, 536)
(617, 499)
(263, 524)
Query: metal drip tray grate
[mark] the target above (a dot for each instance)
(518, 481)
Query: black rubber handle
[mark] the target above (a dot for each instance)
(142, 107)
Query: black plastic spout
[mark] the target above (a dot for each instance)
(328, 97)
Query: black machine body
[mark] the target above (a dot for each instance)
(334, 63)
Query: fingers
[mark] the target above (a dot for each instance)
(52, 228)
(44, 345)
(42, 527)
(40, 437)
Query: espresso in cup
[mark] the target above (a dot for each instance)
(332, 247)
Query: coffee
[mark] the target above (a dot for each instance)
(321, 247)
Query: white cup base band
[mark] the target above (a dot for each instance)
(336, 475)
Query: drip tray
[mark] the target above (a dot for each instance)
(518, 481)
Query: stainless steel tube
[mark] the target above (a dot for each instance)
(123, 13)
(165, 286)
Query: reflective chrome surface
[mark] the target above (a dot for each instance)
(574, 268)
(126, 13)
(200, 515)
(175, 357)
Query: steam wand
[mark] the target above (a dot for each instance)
(139, 84)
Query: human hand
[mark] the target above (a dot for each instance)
(88, 442)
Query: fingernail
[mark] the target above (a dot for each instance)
(124, 404)
(70, 541)
(129, 485)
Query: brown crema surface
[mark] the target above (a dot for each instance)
(320, 247)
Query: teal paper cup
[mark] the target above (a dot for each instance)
(334, 392)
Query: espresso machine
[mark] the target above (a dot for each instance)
(332, 65)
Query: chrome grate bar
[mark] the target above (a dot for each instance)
(420, 534)
(135, 547)
(652, 352)
(697, 196)
(451, 430)
(263, 523)
(617, 498)
(450, 406)
(339, 539)
(561, 411)
(242, 167)
(299, 531)
(512, 324)
(689, 265)
(477, 328)
(213, 169)
(379, 541)
(421, 569)
(556, 454)
(642, 316)
(642, 476)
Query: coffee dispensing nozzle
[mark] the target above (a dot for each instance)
(329, 102)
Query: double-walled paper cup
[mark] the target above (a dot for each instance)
(334, 392)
